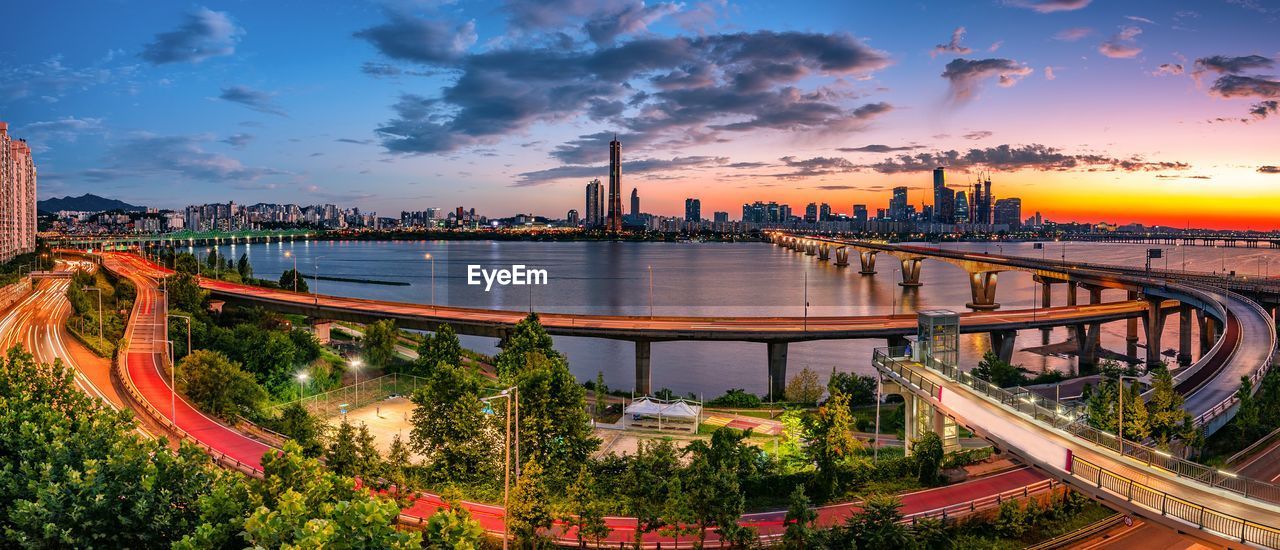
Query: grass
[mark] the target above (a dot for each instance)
(1044, 530)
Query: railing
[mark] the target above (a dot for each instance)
(1071, 419)
(1167, 505)
(364, 393)
(964, 508)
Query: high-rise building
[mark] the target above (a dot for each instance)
(17, 196)
(721, 217)
(692, 210)
(824, 212)
(594, 216)
(572, 217)
(784, 213)
(635, 203)
(962, 208)
(943, 198)
(860, 213)
(1008, 212)
(898, 205)
(811, 213)
(614, 220)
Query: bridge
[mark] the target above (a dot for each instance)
(177, 238)
(1179, 239)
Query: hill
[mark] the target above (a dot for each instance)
(85, 203)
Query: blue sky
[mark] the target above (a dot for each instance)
(501, 105)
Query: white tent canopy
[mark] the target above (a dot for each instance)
(679, 411)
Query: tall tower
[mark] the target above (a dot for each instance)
(635, 204)
(614, 222)
(594, 204)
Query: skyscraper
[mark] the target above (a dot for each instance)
(824, 212)
(898, 205)
(635, 203)
(860, 213)
(943, 198)
(692, 210)
(594, 204)
(614, 221)
(962, 208)
(1008, 212)
(17, 197)
(811, 213)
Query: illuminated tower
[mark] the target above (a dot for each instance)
(614, 220)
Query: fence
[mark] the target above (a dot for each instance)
(364, 393)
(1071, 418)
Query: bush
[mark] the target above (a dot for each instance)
(737, 398)
(219, 386)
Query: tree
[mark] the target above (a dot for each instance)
(1136, 420)
(600, 392)
(861, 389)
(1165, 409)
(450, 427)
(799, 521)
(583, 509)
(928, 454)
(554, 426)
(396, 467)
(186, 263)
(1248, 421)
(219, 386)
(645, 482)
(529, 512)
(804, 387)
(290, 278)
(441, 347)
(243, 268)
(302, 427)
(526, 338)
(831, 441)
(996, 371)
(353, 452)
(380, 342)
(452, 528)
(185, 293)
(878, 524)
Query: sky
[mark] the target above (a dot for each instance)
(1160, 112)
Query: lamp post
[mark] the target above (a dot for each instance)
(289, 254)
(1120, 426)
(508, 394)
(99, 291)
(302, 379)
(188, 320)
(355, 367)
(173, 384)
(651, 291)
(432, 259)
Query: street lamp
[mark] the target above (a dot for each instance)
(508, 394)
(302, 379)
(651, 291)
(432, 259)
(289, 254)
(356, 363)
(188, 320)
(1120, 427)
(173, 384)
(99, 291)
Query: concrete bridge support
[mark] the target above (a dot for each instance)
(868, 259)
(1086, 337)
(911, 271)
(644, 381)
(1153, 322)
(777, 369)
(1072, 287)
(1003, 343)
(982, 287)
(842, 257)
(1131, 331)
(921, 417)
(1208, 331)
(810, 248)
(824, 252)
(1184, 334)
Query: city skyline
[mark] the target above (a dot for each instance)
(400, 106)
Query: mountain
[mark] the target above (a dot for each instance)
(85, 203)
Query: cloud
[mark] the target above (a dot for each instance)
(1122, 45)
(816, 166)
(1269, 169)
(1231, 85)
(204, 34)
(1223, 64)
(179, 159)
(263, 102)
(1169, 69)
(1049, 74)
(876, 148)
(633, 17)
(64, 129)
(1013, 157)
(239, 141)
(601, 22)
(747, 165)
(1049, 6)
(966, 75)
(977, 135)
(953, 46)
(1073, 34)
(379, 69)
(717, 83)
(408, 37)
(643, 166)
(1140, 19)
(1263, 109)
(51, 79)
(355, 141)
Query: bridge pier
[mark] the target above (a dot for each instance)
(1208, 331)
(1131, 331)
(1153, 322)
(1072, 287)
(982, 288)
(644, 381)
(921, 417)
(810, 249)
(1086, 337)
(1002, 343)
(842, 257)
(911, 271)
(868, 259)
(824, 252)
(1184, 334)
(777, 369)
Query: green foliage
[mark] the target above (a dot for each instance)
(452, 528)
(380, 342)
(1248, 419)
(1103, 408)
(644, 484)
(861, 389)
(440, 347)
(799, 520)
(804, 387)
(876, 525)
(450, 427)
(529, 513)
(736, 398)
(601, 393)
(927, 451)
(1167, 418)
(293, 280)
(186, 263)
(302, 427)
(185, 293)
(219, 386)
(712, 482)
(528, 337)
(831, 442)
(998, 372)
(554, 427)
(352, 452)
(583, 509)
(243, 268)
